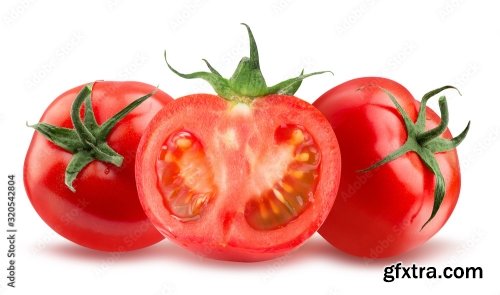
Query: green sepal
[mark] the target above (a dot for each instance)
(247, 82)
(439, 184)
(247, 79)
(422, 114)
(104, 130)
(104, 153)
(392, 156)
(81, 129)
(77, 163)
(290, 86)
(89, 117)
(87, 142)
(426, 143)
(65, 138)
(438, 144)
(429, 135)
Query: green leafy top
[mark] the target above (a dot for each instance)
(247, 82)
(426, 143)
(87, 142)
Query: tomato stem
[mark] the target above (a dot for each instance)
(87, 142)
(247, 82)
(429, 135)
(81, 130)
(426, 143)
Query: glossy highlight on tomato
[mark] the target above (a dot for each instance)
(413, 178)
(103, 212)
(245, 175)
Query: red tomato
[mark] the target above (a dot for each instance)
(389, 209)
(104, 212)
(246, 175)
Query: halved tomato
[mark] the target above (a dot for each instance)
(246, 176)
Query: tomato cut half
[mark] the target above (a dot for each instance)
(238, 181)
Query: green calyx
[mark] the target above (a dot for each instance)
(426, 143)
(247, 82)
(87, 142)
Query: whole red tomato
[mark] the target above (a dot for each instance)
(413, 183)
(246, 175)
(82, 182)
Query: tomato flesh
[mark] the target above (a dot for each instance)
(240, 181)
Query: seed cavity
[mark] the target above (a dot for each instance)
(184, 176)
(289, 197)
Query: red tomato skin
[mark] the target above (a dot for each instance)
(104, 213)
(380, 213)
(210, 239)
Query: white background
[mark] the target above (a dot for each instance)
(50, 46)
